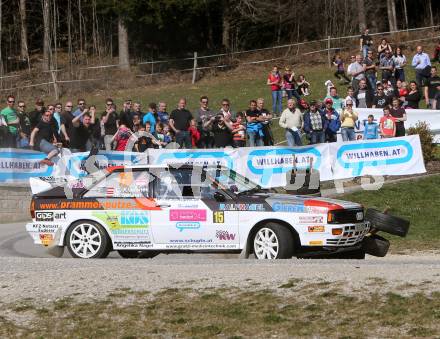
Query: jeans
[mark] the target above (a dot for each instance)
(365, 50)
(183, 138)
(348, 134)
(317, 137)
(47, 147)
(292, 93)
(372, 80)
(293, 138)
(255, 139)
(277, 101)
(399, 73)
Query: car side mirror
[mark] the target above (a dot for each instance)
(219, 197)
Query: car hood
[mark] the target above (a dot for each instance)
(314, 204)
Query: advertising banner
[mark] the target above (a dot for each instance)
(267, 166)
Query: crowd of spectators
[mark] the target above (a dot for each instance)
(375, 79)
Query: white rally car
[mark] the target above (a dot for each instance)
(141, 211)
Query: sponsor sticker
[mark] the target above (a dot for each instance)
(311, 219)
(286, 207)
(49, 216)
(46, 238)
(188, 215)
(241, 207)
(316, 242)
(189, 225)
(316, 229)
(225, 235)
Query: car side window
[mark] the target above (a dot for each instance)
(129, 184)
(177, 184)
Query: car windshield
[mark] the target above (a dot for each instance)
(230, 180)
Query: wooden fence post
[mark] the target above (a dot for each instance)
(55, 84)
(328, 52)
(194, 68)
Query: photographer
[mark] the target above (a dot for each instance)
(221, 127)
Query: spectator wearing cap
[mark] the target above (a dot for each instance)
(334, 122)
(292, 121)
(315, 123)
(338, 103)
(348, 121)
(35, 115)
(422, 66)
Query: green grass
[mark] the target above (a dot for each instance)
(416, 200)
(235, 314)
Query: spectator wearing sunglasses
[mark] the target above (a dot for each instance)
(43, 138)
(25, 125)
(10, 116)
(35, 115)
(380, 100)
(348, 120)
(80, 108)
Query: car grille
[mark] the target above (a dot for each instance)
(350, 236)
(347, 216)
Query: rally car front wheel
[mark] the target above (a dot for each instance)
(87, 240)
(273, 241)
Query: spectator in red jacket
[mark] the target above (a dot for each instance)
(194, 132)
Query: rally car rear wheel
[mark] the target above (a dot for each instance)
(273, 241)
(87, 240)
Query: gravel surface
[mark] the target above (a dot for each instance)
(27, 271)
(47, 279)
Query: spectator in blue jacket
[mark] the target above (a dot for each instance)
(334, 123)
(371, 130)
(315, 123)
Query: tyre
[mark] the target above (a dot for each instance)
(129, 254)
(87, 240)
(376, 245)
(273, 241)
(387, 223)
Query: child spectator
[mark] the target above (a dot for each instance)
(340, 70)
(239, 131)
(194, 132)
(303, 85)
(387, 124)
(371, 129)
(161, 137)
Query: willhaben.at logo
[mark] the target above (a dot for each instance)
(224, 235)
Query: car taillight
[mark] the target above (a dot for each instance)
(32, 208)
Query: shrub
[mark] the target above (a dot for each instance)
(426, 139)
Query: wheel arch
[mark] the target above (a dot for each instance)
(87, 220)
(261, 223)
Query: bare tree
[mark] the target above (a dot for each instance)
(46, 37)
(361, 15)
(431, 16)
(391, 11)
(405, 11)
(123, 45)
(226, 25)
(1, 32)
(24, 53)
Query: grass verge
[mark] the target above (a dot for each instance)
(231, 313)
(416, 200)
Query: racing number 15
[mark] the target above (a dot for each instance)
(219, 217)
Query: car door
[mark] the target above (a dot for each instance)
(190, 217)
(118, 204)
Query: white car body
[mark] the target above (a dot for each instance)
(148, 208)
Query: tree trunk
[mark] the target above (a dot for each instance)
(23, 32)
(391, 11)
(431, 17)
(123, 45)
(226, 23)
(1, 32)
(361, 15)
(46, 38)
(405, 10)
(69, 35)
